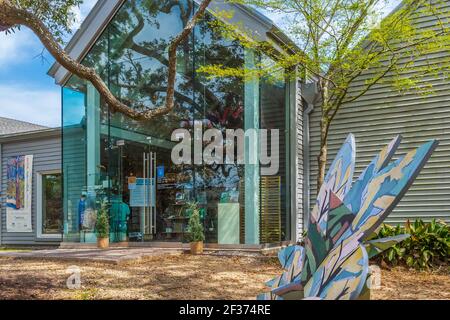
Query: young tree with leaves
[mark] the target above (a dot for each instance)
(342, 40)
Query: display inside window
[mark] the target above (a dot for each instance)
(51, 204)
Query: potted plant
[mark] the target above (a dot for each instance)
(102, 226)
(196, 229)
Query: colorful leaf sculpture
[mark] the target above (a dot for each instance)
(334, 264)
(342, 276)
(337, 181)
(377, 246)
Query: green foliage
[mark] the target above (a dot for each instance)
(57, 15)
(102, 224)
(88, 294)
(195, 224)
(428, 246)
(343, 42)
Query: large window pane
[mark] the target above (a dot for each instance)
(274, 113)
(219, 187)
(73, 154)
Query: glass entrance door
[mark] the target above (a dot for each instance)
(125, 167)
(147, 193)
(143, 195)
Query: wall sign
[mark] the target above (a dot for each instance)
(143, 193)
(19, 190)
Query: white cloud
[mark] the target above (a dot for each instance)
(86, 7)
(17, 46)
(78, 18)
(81, 12)
(32, 105)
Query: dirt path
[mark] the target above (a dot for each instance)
(402, 283)
(183, 277)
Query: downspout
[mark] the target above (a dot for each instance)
(310, 94)
(2, 203)
(306, 165)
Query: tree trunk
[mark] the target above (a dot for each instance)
(324, 127)
(322, 158)
(11, 16)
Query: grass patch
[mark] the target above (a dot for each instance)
(88, 294)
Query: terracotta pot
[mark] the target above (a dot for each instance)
(103, 243)
(197, 247)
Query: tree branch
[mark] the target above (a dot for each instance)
(11, 16)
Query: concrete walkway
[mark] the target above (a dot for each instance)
(113, 256)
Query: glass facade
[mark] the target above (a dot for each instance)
(127, 163)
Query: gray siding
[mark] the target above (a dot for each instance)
(383, 113)
(299, 162)
(47, 157)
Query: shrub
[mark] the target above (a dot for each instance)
(428, 245)
(102, 224)
(195, 224)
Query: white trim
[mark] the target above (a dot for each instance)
(1, 194)
(293, 154)
(39, 195)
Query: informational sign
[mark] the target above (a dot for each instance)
(160, 172)
(143, 194)
(19, 190)
(131, 183)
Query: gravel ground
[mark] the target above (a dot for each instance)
(405, 284)
(185, 277)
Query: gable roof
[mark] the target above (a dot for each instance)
(105, 10)
(11, 126)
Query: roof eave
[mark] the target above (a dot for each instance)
(83, 39)
(34, 134)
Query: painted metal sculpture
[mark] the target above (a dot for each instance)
(334, 262)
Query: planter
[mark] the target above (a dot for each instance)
(196, 247)
(103, 243)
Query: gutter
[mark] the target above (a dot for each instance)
(1, 194)
(88, 33)
(30, 134)
(306, 165)
(310, 95)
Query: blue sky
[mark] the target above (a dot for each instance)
(27, 93)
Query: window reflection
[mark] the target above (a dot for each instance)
(131, 56)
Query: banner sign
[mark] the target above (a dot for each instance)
(19, 190)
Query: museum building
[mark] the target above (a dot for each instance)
(54, 180)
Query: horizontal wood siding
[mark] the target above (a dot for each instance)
(46, 157)
(380, 115)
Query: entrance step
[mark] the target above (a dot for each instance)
(113, 256)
